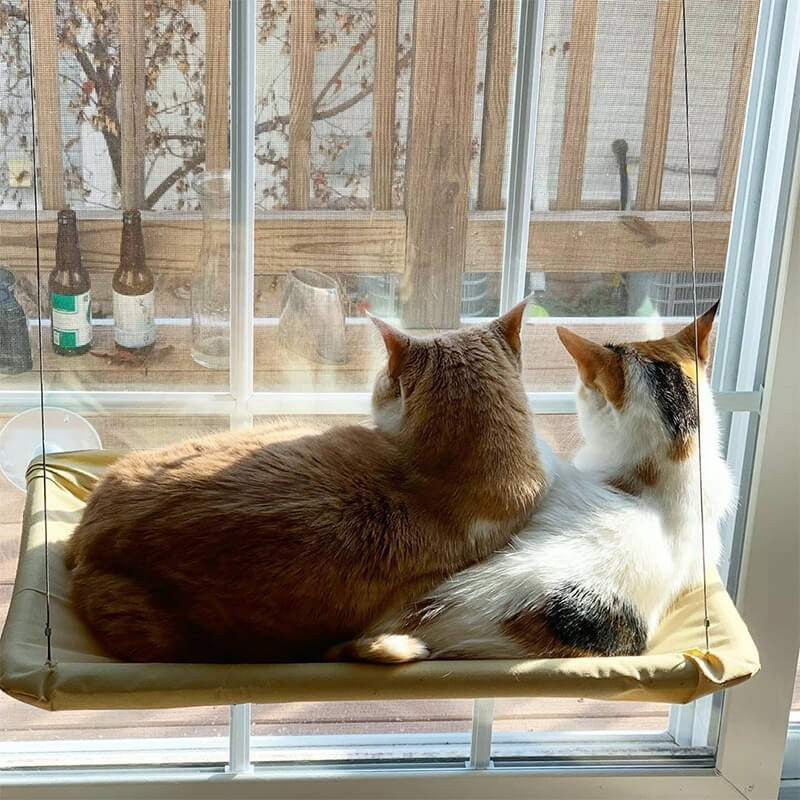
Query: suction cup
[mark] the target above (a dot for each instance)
(21, 439)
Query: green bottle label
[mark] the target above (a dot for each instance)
(72, 319)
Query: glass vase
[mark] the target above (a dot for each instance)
(211, 318)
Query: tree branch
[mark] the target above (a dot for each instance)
(332, 111)
(342, 67)
(195, 161)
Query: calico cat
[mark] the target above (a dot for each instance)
(615, 540)
(240, 548)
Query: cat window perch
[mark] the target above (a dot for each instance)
(75, 674)
(49, 659)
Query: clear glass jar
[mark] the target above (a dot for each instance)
(211, 283)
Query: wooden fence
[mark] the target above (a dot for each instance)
(434, 239)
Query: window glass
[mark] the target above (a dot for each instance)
(132, 114)
(610, 233)
(88, 737)
(360, 220)
(372, 193)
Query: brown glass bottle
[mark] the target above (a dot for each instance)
(134, 290)
(70, 292)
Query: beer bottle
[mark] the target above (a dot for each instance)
(134, 290)
(70, 292)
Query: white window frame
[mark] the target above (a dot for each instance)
(744, 758)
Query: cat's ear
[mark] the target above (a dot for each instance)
(705, 322)
(598, 366)
(397, 345)
(509, 325)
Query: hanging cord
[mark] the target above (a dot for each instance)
(47, 629)
(706, 621)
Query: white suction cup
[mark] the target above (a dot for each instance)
(21, 439)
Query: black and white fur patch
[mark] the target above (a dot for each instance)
(581, 618)
(673, 391)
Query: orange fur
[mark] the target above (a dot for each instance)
(251, 547)
(598, 367)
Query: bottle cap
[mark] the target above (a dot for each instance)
(7, 281)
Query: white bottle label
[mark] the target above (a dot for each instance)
(72, 319)
(134, 319)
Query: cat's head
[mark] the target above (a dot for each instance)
(642, 394)
(454, 383)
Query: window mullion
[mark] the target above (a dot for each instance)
(239, 739)
(480, 751)
(523, 143)
(243, 98)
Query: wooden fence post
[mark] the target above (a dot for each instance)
(383, 103)
(659, 104)
(48, 106)
(437, 171)
(217, 85)
(132, 122)
(302, 46)
(737, 102)
(576, 104)
(497, 86)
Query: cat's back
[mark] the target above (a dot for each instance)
(253, 457)
(226, 483)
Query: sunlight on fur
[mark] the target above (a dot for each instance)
(270, 545)
(615, 540)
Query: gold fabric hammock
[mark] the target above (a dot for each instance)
(674, 670)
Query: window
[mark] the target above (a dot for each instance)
(427, 161)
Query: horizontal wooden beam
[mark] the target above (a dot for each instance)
(374, 243)
(329, 242)
(605, 241)
(546, 365)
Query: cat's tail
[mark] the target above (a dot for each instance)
(385, 648)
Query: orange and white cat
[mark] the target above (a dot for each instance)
(617, 537)
(238, 547)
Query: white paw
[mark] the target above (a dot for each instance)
(394, 648)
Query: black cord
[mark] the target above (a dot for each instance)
(706, 621)
(47, 630)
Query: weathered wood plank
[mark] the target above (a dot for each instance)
(659, 103)
(383, 103)
(496, 92)
(576, 104)
(48, 106)
(545, 366)
(217, 84)
(374, 243)
(355, 242)
(737, 102)
(132, 121)
(437, 172)
(301, 47)
(602, 241)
